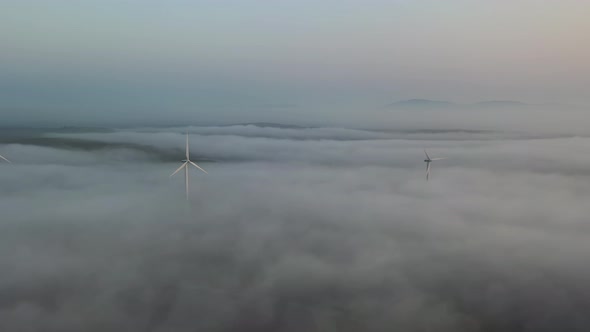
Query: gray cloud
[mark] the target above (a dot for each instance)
(294, 230)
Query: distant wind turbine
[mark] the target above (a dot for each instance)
(184, 166)
(4, 159)
(429, 160)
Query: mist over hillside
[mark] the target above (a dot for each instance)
(293, 229)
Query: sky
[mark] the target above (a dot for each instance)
(133, 61)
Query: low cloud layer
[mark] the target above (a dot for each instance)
(294, 230)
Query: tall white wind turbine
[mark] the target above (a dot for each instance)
(185, 166)
(429, 160)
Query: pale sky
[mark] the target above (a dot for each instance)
(143, 57)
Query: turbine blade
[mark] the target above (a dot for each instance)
(186, 181)
(187, 152)
(4, 159)
(199, 167)
(427, 156)
(438, 159)
(178, 170)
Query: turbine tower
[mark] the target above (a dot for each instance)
(4, 159)
(429, 160)
(185, 166)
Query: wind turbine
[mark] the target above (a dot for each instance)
(4, 159)
(429, 160)
(185, 165)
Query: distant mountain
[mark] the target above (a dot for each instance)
(73, 129)
(421, 103)
(500, 103)
(426, 104)
(268, 125)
